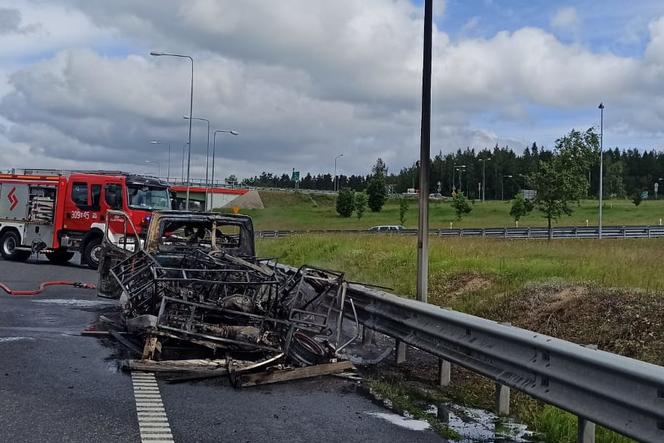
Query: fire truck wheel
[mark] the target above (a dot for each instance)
(92, 253)
(59, 256)
(8, 243)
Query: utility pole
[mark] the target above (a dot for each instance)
(425, 155)
(601, 164)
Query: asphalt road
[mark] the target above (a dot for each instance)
(58, 386)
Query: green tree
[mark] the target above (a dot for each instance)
(461, 205)
(345, 202)
(613, 182)
(376, 189)
(520, 207)
(403, 209)
(562, 180)
(360, 204)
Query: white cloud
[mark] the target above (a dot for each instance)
(301, 81)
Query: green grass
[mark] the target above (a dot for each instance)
(301, 211)
(530, 283)
(390, 260)
(560, 427)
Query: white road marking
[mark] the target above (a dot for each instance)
(152, 417)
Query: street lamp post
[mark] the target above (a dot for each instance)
(214, 145)
(168, 173)
(191, 112)
(601, 165)
(207, 152)
(184, 147)
(335, 185)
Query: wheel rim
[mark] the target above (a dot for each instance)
(95, 254)
(9, 245)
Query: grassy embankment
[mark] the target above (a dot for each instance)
(588, 291)
(300, 211)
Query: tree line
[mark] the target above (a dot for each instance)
(626, 173)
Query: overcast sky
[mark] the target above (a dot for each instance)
(305, 80)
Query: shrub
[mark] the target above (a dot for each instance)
(345, 202)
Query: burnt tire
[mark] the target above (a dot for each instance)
(59, 256)
(92, 253)
(9, 241)
(305, 351)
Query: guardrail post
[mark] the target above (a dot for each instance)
(502, 399)
(528, 231)
(505, 232)
(483, 232)
(624, 232)
(444, 372)
(400, 352)
(648, 228)
(586, 431)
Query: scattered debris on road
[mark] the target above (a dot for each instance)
(196, 287)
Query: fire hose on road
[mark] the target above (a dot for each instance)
(43, 286)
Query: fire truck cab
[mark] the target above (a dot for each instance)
(59, 213)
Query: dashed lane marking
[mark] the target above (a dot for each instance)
(152, 417)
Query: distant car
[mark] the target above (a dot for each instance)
(387, 228)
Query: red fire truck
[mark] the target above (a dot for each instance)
(59, 213)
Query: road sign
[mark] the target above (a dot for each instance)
(296, 176)
(529, 194)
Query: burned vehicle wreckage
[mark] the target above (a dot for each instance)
(194, 284)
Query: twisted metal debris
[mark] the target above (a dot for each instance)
(208, 290)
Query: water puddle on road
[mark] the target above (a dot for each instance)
(472, 425)
(478, 425)
(74, 302)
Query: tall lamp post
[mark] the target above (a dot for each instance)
(601, 164)
(335, 185)
(168, 173)
(207, 153)
(191, 112)
(214, 145)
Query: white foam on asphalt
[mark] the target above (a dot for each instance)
(152, 417)
(73, 302)
(404, 422)
(10, 339)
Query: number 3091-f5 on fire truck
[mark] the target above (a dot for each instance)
(59, 213)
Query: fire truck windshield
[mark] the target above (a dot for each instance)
(149, 198)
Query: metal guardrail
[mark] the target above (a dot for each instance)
(512, 233)
(620, 393)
